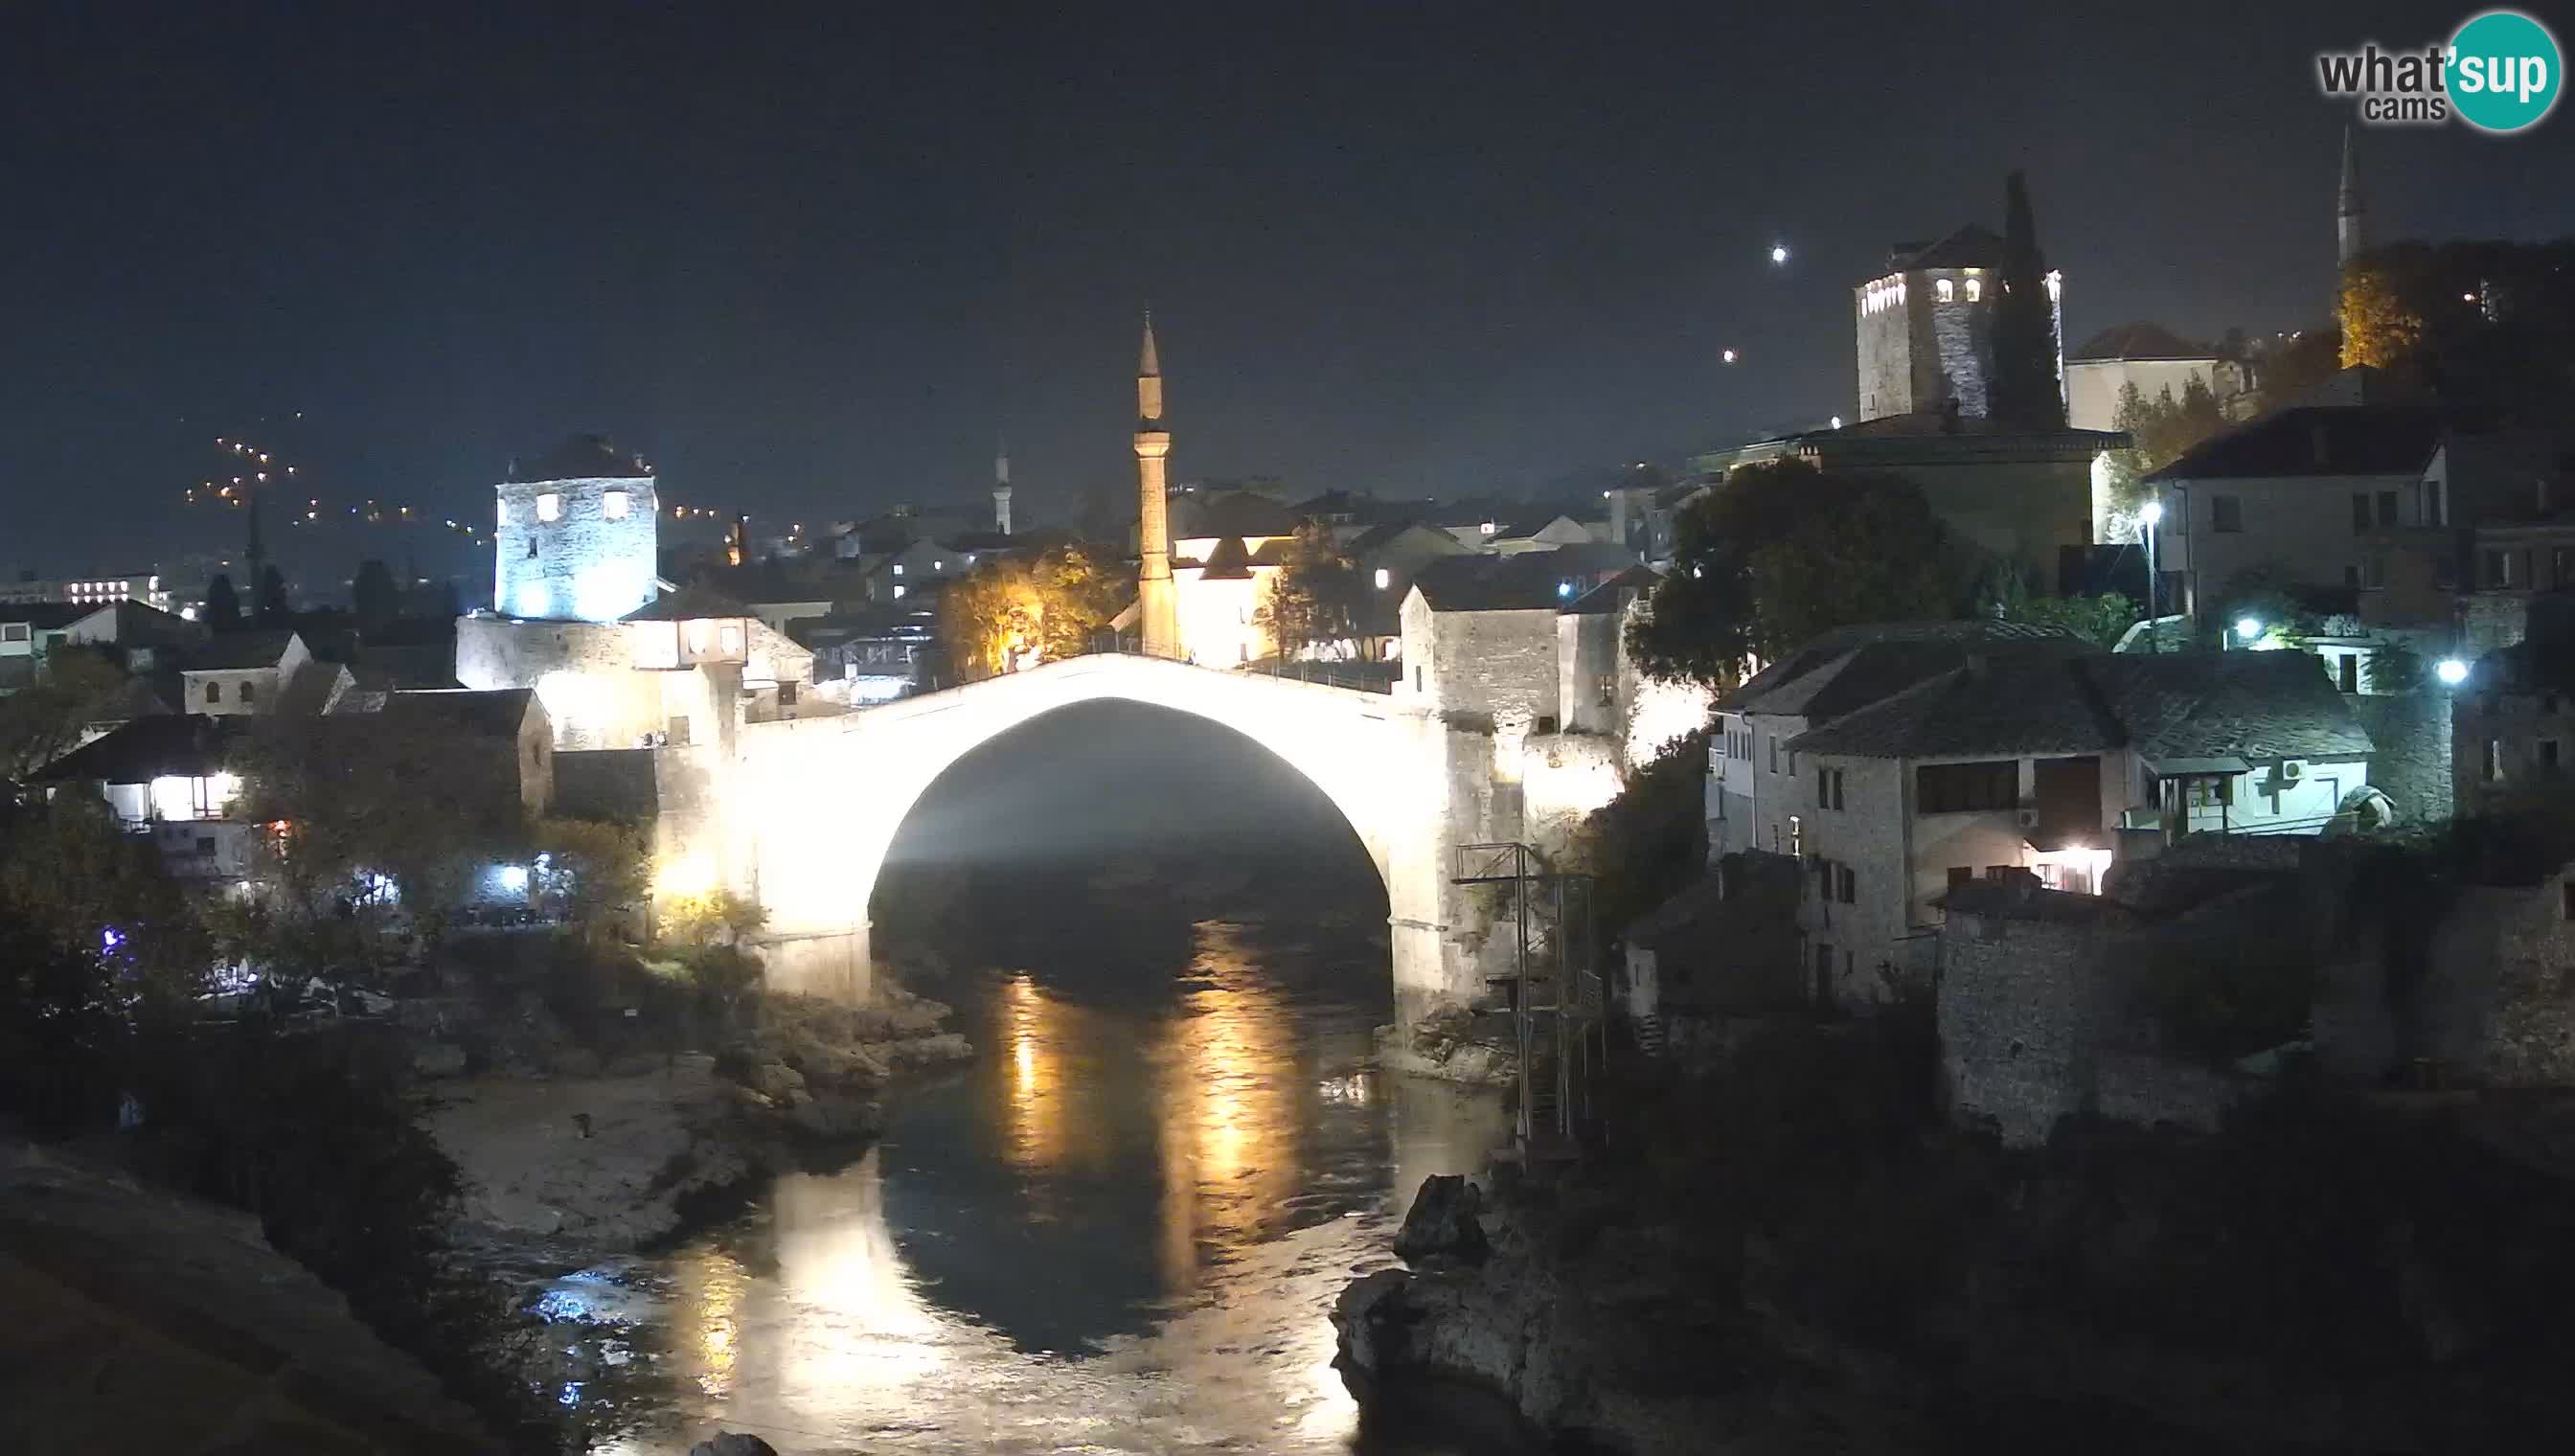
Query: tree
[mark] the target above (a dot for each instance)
(2381, 327)
(1014, 611)
(48, 719)
(2165, 429)
(223, 605)
(73, 874)
(2101, 619)
(1318, 595)
(2026, 390)
(373, 597)
(1779, 552)
(591, 870)
(270, 606)
(2307, 359)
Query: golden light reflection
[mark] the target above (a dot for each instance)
(1230, 1114)
(708, 1284)
(1036, 1119)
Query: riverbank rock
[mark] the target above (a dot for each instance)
(1441, 1223)
(733, 1443)
(1444, 1044)
(597, 1164)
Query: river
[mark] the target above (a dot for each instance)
(1119, 1229)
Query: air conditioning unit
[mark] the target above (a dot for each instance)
(2029, 818)
(2290, 769)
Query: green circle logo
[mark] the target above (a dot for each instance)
(2504, 71)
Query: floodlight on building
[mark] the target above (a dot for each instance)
(2451, 671)
(1564, 589)
(2248, 627)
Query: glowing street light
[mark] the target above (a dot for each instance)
(1778, 253)
(1728, 356)
(2451, 671)
(2248, 627)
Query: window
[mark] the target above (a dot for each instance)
(1416, 679)
(13, 631)
(550, 507)
(897, 568)
(2211, 792)
(1796, 836)
(939, 565)
(898, 591)
(1775, 756)
(787, 695)
(2548, 754)
(2349, 666)
(676, 732)
(2561, 566)
(1966, 788)
(214, 691)
(2498, 568)
(1845, 884)
(1975, 289)
(1608, 689)
(1949, 291)
(1997, 872)
(1383, 577)
(204, 843)
(730, 636)
(612, 505)
(2387, 508)
(2226, 512)
(1962, 874)
(2360, 511)
(248, 691)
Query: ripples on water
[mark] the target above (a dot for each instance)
(1118, 1230)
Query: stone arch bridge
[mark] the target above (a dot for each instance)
(804, 811)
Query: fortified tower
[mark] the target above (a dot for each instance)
(1157, 609)
(576, 536)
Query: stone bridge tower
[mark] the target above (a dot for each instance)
(1158, 607)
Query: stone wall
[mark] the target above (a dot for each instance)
(1963, 339)
(2412, 760)
(581, 565)
(2021, 1010)
(2497, 1004)
(582, 673)
(1494, 667)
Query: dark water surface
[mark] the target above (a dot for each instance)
(1117, 1230)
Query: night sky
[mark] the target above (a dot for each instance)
(812, 266)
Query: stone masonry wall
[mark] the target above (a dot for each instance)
(581, 565)
(2412, 761)
(2018, 1007)
(1496, 665)
(2497, 1004)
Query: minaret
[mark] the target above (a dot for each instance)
(1158, 610)
(2348, 209)
(1001, 489)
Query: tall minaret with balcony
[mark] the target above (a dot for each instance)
(2349, 213)
(1001, 489)
(1157, 609)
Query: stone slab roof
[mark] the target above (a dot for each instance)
(1972, 246)
(1526, 582)
(1852, 667)
(689, 603)
(2140, 341)
(579, 458)
(233, 652)
(2170, 706)
(175, 744)
(2325, 440)
(496, 712)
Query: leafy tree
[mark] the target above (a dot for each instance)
(373, 597)
(711, 917)
(2165, 429)
(1013, 612)
(48, 719)
(2392, 666)
(1318, 595)
(2026, 390)
(2381, 327)
(2308, 359)
(593, 871)
(2102, 619)
(222, 603)
(1649, 840)
(73, 874)
(1780, 551)
(270, 606)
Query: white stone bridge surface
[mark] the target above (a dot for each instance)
(814, 804)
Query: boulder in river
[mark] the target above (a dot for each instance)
(733, 1443)
(1441, 1223)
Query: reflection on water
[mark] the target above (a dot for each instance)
(1118, 1230)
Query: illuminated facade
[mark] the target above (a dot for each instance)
(1157, 604)
(575, 535)
(1925, 328)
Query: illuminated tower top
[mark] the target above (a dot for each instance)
(577, 533)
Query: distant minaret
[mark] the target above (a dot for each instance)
(2348, 209)
(1001, 489)
(1157, 609)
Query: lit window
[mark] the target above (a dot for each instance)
(732, 638)
(1947, 290)
(1382, 578)
(612, 505)
(938, 566)
(550, 507)
(898, 592)
(897, 568)
(1975, 289)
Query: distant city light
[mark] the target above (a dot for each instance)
(1779, 252)
(2451, 671)
(1728, 356)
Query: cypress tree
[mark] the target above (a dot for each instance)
(223, 605)
(2025, 392)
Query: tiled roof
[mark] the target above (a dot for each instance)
(239, 650)
(1528, 581)
(1969, 247)
(2138, 340)
(2324, 440)
(689, 603)
(579, 458)
(2183, 705)
(1237, 513)
(176, 744)
(487, 713)
(44, 616)
(1852, 667)
(1614, 594)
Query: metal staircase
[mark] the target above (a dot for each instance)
(1552, 994)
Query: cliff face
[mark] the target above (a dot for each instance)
(141, 1321)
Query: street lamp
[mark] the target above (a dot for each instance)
(2451, 671)
(2248, 627)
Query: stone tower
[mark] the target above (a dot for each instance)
(1157, 609)
(576, 536)
(1001, 489)
(2348, 209)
